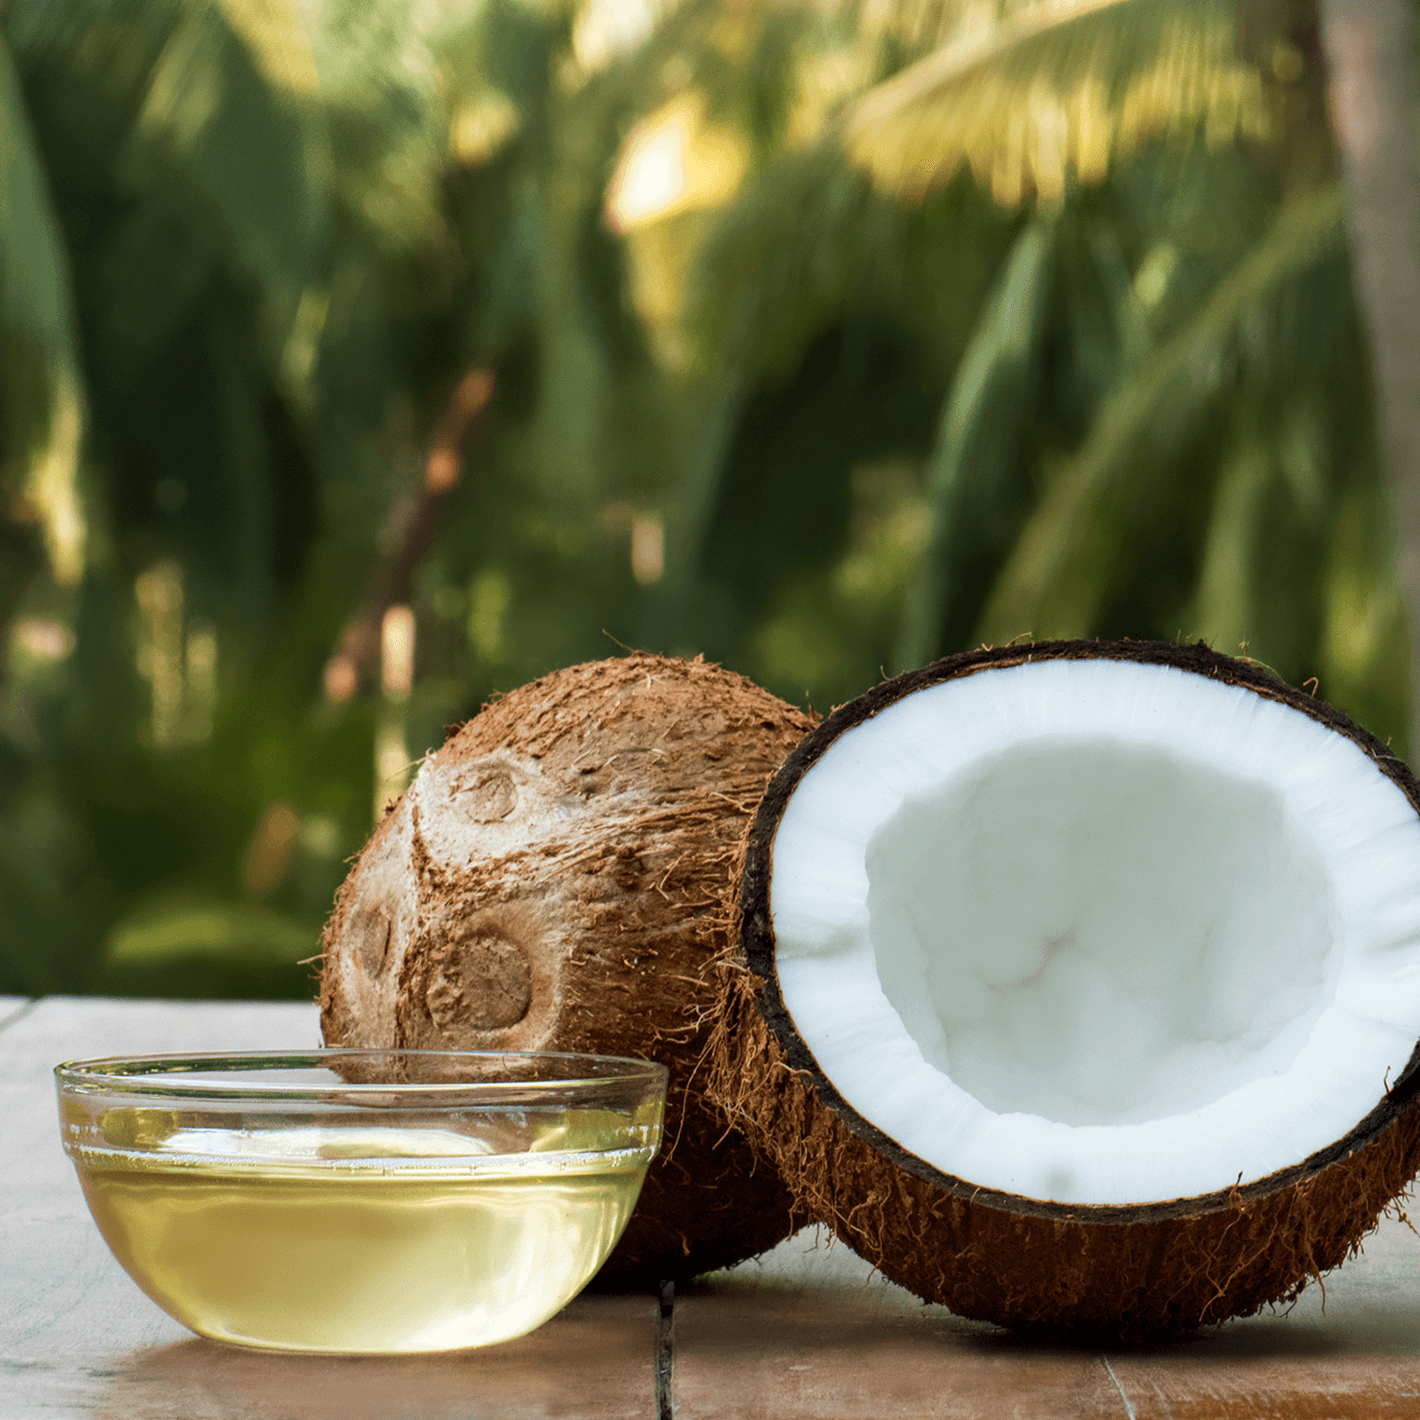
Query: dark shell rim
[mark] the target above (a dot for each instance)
(757, 935)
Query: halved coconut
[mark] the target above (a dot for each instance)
(1083, 984)
(561, 875)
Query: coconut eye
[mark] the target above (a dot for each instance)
(486, 792)
(481, 982)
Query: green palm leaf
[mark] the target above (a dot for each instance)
(1224, 610)
(43, 392)
(968, 476)
(1059, 89)
(211, 112)
(203, 116)
(1057, 573)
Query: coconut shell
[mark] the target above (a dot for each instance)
(1121, 1274)
(561, 875)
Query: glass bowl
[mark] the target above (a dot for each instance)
(361, 1200)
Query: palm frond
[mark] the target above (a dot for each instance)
(1051, 583)
(1224, 612)
(968, 475)
(1056, 89)
(45, 411)
(211, 114)
(1364, 646)
(274, 37)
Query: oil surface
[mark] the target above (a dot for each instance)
(346, 1252)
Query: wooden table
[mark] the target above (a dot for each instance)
(805, 1332)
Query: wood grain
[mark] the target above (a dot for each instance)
(1347, 1355)
(811, 1332)
(78, 1339)
(593, 1359)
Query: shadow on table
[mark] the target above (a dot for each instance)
(763, 1316)
(594, 1359)
(758, 1349)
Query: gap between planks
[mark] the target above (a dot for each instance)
(1128, 1405)
(665, 1352)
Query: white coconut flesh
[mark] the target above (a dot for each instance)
(1098, 932)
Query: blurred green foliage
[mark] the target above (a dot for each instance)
(822, 339)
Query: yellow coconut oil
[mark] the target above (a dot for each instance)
(360, 1240)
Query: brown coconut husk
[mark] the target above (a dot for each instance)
(1121, 1274)
(561, 876)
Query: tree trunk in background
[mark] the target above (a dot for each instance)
(1375, 104)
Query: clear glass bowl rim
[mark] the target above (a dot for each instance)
(161, 1075)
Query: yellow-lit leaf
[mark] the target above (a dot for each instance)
(45, 408)
(276, 41)
(1056, 90)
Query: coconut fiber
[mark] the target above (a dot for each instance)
(561, 876)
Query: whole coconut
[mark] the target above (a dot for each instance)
(561, 875)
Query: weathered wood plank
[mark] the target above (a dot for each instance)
(12, 1008)
(592, 1360)
(78, 1339)
(1350, 1355)
(810, 1332)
